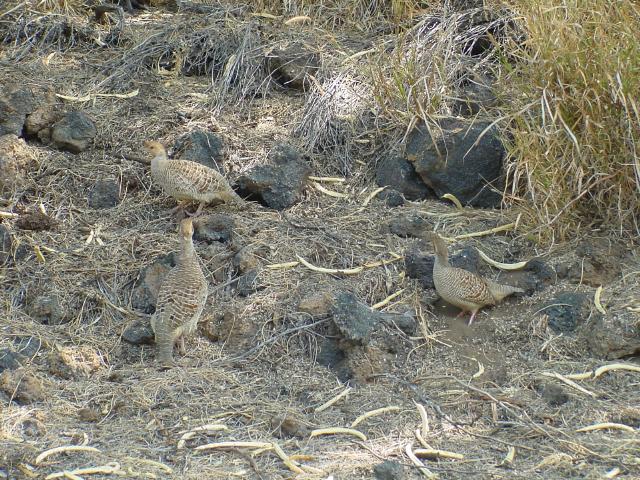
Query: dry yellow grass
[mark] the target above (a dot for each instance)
(571, 101)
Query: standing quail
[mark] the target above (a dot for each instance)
(189, 181)
(464, 289)
(181, 299)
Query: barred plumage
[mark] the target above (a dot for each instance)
(464, 289)
(188, 181)
(181, 298)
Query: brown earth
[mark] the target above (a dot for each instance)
(67, 289)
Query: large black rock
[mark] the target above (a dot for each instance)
(278, 185)
(74, 132)
(466, 160)
(398, 173)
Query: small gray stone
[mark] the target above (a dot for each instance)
(213, 228)
(139, 333)
(468, 259)
(355, 320)
(248, 283)
(420, 267)
(47, 310)
(391, 197)
(27, 345)
(6, 243)
(74, 132)
(398, 173)
(389, 470)
(10, 360)
(15, 105)
(292, 66)
(409, 225)
(104, 194)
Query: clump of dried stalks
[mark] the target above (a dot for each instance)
(418, 74)
(573, 121)
(335, 114)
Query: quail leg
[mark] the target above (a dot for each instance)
(198, 211)
(181, 349)
(473, 315)
(177, 208)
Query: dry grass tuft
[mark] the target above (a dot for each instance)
(23, 32)
(420, 76)
(335, 115)
(341, 13)
(62, 7)
(572, 103)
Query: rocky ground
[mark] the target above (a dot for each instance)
(321, 302)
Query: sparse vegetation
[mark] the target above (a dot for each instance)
(322, 315)
(572, 118)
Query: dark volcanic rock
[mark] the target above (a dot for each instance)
(249, 283)
(455, 165)
(6, 244)
(391, 197)
(202, 147)
(389, 470)
(47, 309)
(145, 293)
(475, 95)
(10, 360)
(292, 66)
(104, 194)
(213, 228)
(11, 119)
(332, 356)
(567, 311)
(279, 185)
(408, 225)
(420, 267)
(74, 132)
(535, 277)
(27, 345)
(36, 222)
(468, 259)
(355, 345)
(399, 174)
(15, 105)
(139, 333)
(612, 337)
(355, 320)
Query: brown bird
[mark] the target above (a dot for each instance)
(181, 299)
(188, 181)
(464, 289)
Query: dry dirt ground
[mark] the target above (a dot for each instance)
(498, 394)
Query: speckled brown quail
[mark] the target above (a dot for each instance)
(188, 181)
(181, 299)
(464, 289)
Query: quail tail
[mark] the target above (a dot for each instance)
(499, 291)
